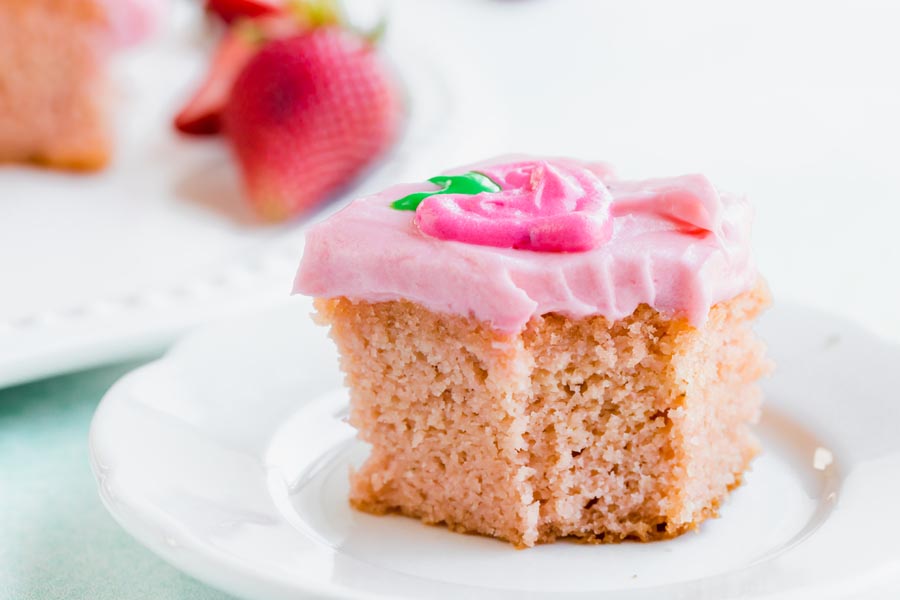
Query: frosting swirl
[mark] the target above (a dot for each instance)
(541, 205)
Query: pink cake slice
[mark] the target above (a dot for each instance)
(54, 93)
(538, 349)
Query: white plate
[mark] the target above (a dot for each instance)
(229, 459)
(110, 265)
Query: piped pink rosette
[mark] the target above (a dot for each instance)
(540, 206)
(537, 236)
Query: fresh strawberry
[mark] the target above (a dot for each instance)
(202, 115)
(307, 115)
(231, 10)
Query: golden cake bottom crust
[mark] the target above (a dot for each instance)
(584, 428)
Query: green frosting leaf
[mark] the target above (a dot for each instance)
(470, 183)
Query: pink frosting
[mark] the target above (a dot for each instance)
(542, 206)
(676, 244)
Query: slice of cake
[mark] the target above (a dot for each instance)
(538, 349)
(54, 93)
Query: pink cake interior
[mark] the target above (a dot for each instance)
(586, 428)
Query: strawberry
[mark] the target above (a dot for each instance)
(231, 10)
(307, 115)
(202, 115)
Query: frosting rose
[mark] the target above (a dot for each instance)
(541, 205)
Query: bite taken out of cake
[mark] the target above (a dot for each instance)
(54, 90)
(537, 348)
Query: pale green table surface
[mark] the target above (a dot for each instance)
(56, 539)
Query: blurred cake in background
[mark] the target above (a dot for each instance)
(54, 89)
